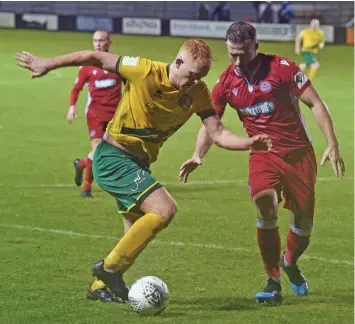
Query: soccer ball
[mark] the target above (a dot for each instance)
(148, 296)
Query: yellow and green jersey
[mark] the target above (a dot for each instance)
(151, 109)
(311, 40)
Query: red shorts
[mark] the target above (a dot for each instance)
(96, 125)
(294, 176)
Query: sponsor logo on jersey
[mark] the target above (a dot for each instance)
(265, 86)
(261, 108)
(185, 102)
(130, 60)
(107, 83)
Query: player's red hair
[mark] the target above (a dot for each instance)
(199, 51)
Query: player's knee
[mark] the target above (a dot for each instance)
(266, 203)
(170, 211)
(315, 65)
(161, 203)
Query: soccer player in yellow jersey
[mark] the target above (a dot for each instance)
(158, 99)
(312, 40)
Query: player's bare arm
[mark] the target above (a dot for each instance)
(213, 132)
(311, 98)
(41, 66)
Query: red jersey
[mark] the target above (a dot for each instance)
(269, 105)
(104, 91)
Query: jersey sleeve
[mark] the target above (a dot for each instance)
(293, 78)
(218, 98)
(78, 86)
(132, 68)
(204, 106)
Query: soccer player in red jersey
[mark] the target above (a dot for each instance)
(103, 98)
(264, 91)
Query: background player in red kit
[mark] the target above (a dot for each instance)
(103, 98)
(263, 89)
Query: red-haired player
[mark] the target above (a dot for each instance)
(103, 98)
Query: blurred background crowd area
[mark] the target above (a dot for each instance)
(336, 13)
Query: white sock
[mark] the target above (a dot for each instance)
(277, 279)
(286, 263)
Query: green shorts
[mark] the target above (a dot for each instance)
(123, 177)
(309, 58)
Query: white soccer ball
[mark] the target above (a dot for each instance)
(148, 296)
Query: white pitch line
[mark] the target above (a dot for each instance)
(203, 246)
(168, 183)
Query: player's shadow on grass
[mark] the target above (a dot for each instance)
(342, 297)
(218, 303)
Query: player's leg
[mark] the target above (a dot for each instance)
(314, 68)
(89, 178)
(159, 209)
(96, 129)
(300, 200)
(98, 290)
(304, 64)
(264, 183)
(269, 244)
(303, 67)
(135, 191)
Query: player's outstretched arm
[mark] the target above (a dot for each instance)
(203, 145)
(311, 98)
(213, 132)
(223, 138)
(41, 66)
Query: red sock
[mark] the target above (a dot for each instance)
(296, 245)
(270, 249)
(83, 163)
(89, 178)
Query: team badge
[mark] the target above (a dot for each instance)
(300, 79)
(159, 93)
(265, 86)
(185, 102)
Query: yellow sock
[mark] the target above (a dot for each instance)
(312, 73)
(133, 242)
(97, 284)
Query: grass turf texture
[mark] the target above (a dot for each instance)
(208, 256)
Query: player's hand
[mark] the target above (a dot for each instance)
(332, 153)
(72, 114)
(188, 167)
(260, 143)
(36, 64)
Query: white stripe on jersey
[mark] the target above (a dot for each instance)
(87, 104)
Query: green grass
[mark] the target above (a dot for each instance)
(44, 274)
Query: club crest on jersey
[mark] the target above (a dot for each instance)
(159, 93)
(265, 86)
(185, 102)
(300, 79)
(261, 108)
